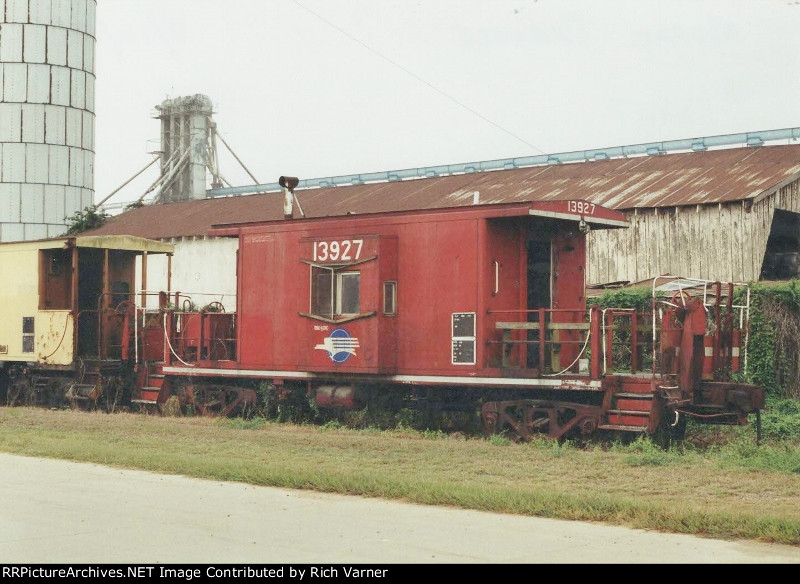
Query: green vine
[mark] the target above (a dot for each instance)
(774, 347)
(773, 355)
(639, 298)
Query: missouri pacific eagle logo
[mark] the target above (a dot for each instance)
(339, 345)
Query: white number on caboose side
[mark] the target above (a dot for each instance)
(333, 251)
(581, 207)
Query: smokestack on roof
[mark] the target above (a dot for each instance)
(289, 183)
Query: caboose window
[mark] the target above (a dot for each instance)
(347, 298)
(334, 293)
(390, 298)
(27, 334)
(322, 292)
(55, 279)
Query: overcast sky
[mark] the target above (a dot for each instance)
(317, 88)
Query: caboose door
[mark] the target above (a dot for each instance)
(539, 283)
(568, 292)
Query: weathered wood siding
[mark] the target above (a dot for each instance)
(723, 242)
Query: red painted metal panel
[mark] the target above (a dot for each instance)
(268, 291)
(437, 276)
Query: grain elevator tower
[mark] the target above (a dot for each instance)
(187, 147)
(47, 79)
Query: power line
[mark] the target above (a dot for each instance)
(417, 77)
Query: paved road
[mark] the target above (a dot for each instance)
(54, 511)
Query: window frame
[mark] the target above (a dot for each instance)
(28, 334)
(390, 294)
(333, 268)
(339, 296)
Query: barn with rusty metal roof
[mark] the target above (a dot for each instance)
(729, 213)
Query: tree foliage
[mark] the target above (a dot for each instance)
(89, 218)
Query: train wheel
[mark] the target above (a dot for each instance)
(218, 400)
(520, 420)
(50, 392)
(19, 393)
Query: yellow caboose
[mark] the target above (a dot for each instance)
(63, 313)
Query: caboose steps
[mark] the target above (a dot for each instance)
(156, 379)
(148, 395)
(632, 418)
(629, 410)
(622, 428)
(643, 413)
(152, 385)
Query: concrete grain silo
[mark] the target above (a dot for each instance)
(47, 79)
(187, 149)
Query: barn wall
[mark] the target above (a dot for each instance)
(723, 242)
(203, 267)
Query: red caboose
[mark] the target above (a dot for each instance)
(476, 307)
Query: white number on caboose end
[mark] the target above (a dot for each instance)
(346, 250)
(581, 207)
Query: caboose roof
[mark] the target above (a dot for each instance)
(595, 215)
(116, 242)
(637, 182)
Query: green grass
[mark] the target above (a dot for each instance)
(730, 488)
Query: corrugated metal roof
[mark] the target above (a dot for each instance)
(666, 180)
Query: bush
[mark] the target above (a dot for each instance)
(89, 218)
(780, 420)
